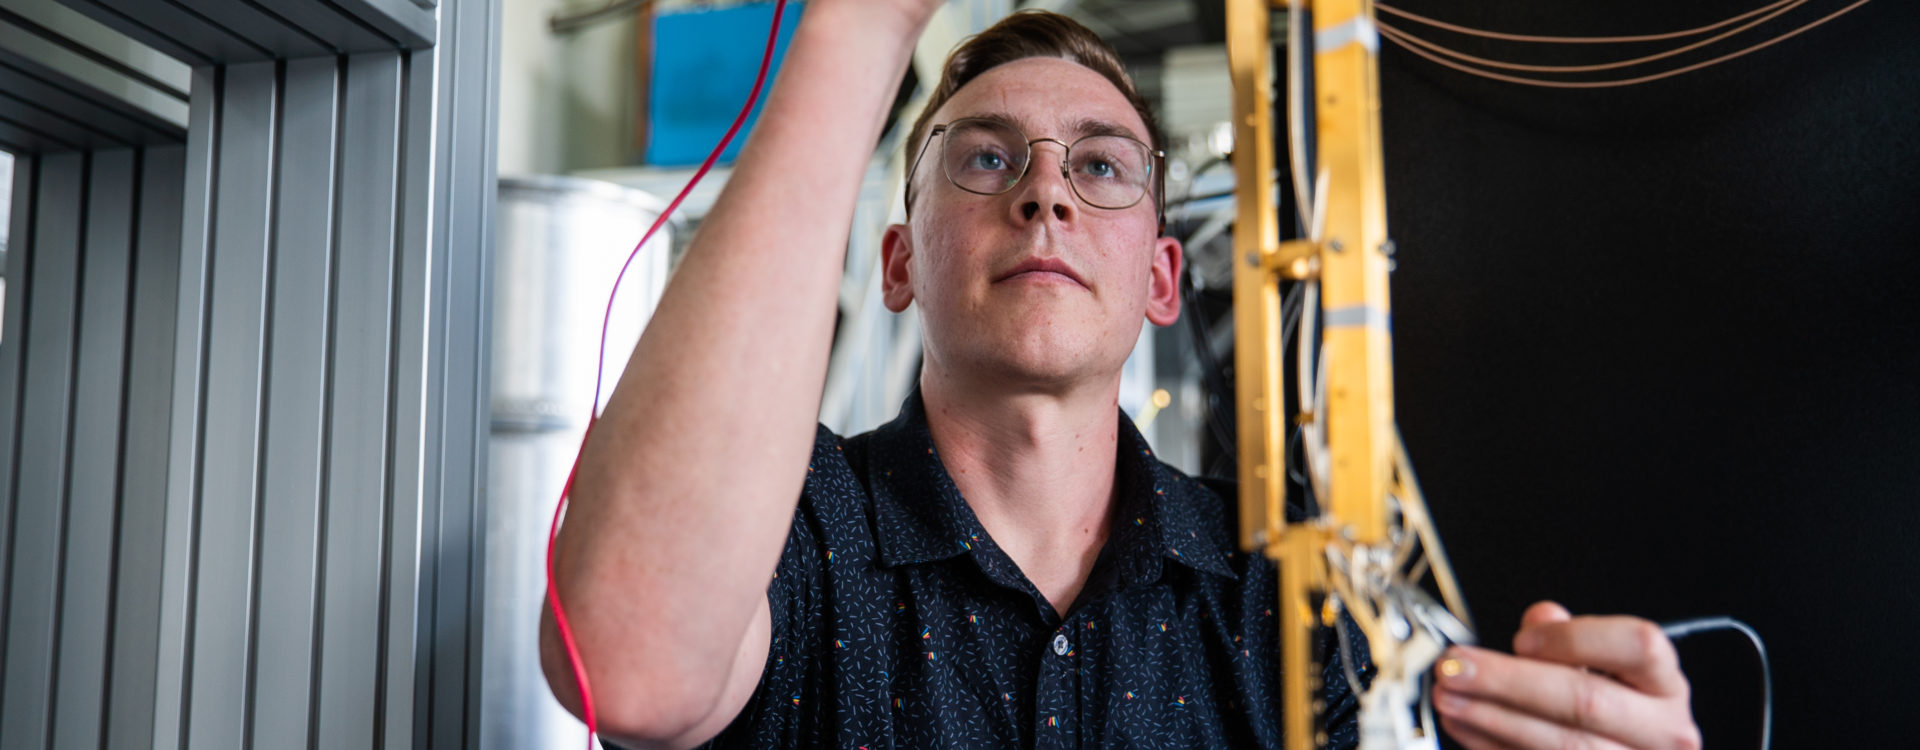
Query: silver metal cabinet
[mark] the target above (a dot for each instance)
(243, 377)
(561, 243)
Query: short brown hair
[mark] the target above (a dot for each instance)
(1034, 33)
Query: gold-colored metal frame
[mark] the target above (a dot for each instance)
(1369, 507)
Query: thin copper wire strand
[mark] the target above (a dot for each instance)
(1394, 36)
(1464, 57)
(1470, 31)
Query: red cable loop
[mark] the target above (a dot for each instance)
(553, 531)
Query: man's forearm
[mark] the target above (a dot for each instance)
(688, 483)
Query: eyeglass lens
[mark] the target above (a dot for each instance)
(987, 157)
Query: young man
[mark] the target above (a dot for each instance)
(1006, 564)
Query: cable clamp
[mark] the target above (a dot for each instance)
(1296, 260)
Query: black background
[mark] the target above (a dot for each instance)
(1656, 346)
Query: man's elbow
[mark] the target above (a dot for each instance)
(639, 711)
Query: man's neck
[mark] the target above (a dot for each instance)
(1037, 469)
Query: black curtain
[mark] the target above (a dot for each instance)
(1656, 346)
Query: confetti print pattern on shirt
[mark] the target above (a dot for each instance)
(899, 622)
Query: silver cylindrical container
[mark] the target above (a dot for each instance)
(561, 242)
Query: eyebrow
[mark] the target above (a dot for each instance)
(1083, 127)
(1093, 126)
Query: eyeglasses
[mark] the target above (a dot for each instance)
(989, 157)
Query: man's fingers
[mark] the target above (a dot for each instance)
(1471, 738)
(1484, 724)
(1587, 682)
(1563, 696)
(1630, 649)
(1542, 613)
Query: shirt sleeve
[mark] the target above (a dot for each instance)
(793, 596)
(773, 716)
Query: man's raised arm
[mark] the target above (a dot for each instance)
(687, 486)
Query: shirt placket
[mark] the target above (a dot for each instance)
(1057, 711)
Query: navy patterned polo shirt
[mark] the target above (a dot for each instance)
(898, 623)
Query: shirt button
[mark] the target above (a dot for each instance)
(1060, 645)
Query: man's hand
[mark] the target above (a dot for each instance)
(1574, 682)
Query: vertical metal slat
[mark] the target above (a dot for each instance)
(469, 57)
(185, 434)
(415, 448)
(136, 610)
(12, 370)
(86, 571)
(357, 470)
(40, 480)
(229, 463)
(296, 418)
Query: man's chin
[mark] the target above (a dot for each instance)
(1039, 365)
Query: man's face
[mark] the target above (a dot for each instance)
(961, 258)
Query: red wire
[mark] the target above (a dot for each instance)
(593, 416)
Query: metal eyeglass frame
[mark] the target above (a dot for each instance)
(1066, 155)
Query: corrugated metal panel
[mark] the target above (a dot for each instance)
(136, 613)
(52, 246)
(453, 578)
(239, 260)
(241, 403)
(296, 415)
(357, 471)
(216, 32)
(91, 265)
(415, 448)
(27, 91)
(13, 371)
(93, 463)
(184, 435)
(74, 84)
(88, 38)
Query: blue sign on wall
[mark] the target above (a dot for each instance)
(704, 63)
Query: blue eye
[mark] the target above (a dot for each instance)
(1098, 169)
(987, 160)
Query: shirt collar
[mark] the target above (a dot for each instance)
(921, 517)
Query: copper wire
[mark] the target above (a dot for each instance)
(1457, 55)
(1411, 45)
(1576, 39)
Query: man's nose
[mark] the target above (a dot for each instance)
(1047, 185)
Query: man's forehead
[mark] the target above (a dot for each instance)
(1047, 97)
(1065, 124)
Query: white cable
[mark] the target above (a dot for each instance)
(1318, 460)
(1682, 628)
(1318, 227)
(1297, 113)
(1313, 438)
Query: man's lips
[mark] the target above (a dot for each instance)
(1042, 265)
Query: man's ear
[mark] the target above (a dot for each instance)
(896, 250)
(1163, 283)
